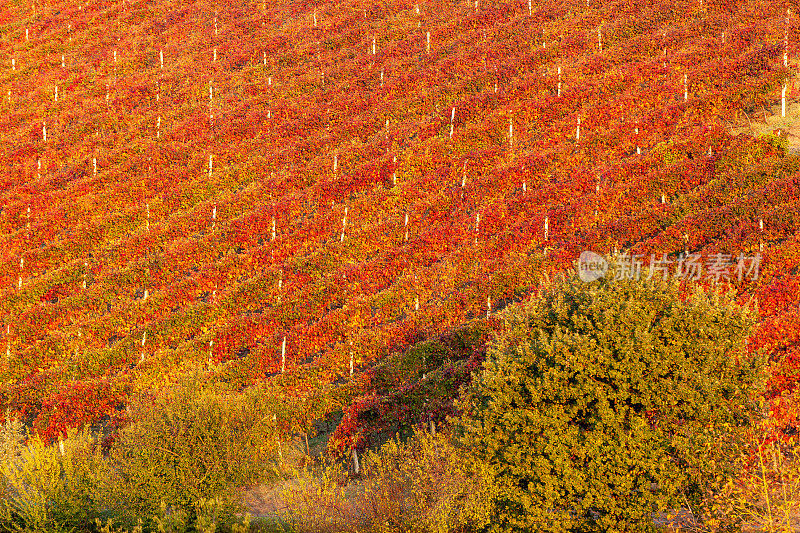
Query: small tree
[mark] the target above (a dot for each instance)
(602, 403)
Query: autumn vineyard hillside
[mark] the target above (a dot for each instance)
(298, 192)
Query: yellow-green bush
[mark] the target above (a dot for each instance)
(426, 485)
(604, 402)
(49, 490)
(190, 445)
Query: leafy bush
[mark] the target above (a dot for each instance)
(50, 490)
(426, 484)
(604, 402)
(188, 446)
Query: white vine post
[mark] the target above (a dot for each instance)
(147, 209)
(387, 120)
(351, 359)
(510, 134)
(530, 8)
(44, 132)
(215, 55)
(416, 303)
(214, 218)
(663, 198)
(599, 39)
(315, 17)
(63, 65)
(488, 306)
(374, 47)
(477, 225)
(216, 30)
(265, 59)
(452, 117)
(685, 87)
(210, 164)
(638, 149)
(356, 466)
(26, 34)
(13, 63)
(56, 94)
(464, 175)
(344, 224)
(85, 269)
(283, 355)
(273, 229)
(578, 130)
(94, 163)
(558, 93)
(783, 100)
(158, 128)
(405, 226)
(428, 42)
(335, 160)
(161, 57)
(760, 234)
(158, 90)
(546, 228)
(38, 169)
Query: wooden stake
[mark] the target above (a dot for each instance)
(685, 87)
(558, 93)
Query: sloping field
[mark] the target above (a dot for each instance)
(287, 191)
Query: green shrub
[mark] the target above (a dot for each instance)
(50, 491)
(189, 446)
(602, 403)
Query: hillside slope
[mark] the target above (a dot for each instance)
(287, 190)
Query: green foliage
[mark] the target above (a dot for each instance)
(427, 484)
(781, 142)
(50, 491)
(604, 402)
(192, 445)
